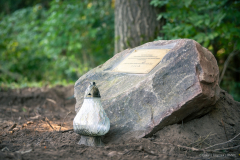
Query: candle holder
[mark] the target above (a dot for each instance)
(91, 121)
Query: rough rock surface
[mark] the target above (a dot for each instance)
(183, 86)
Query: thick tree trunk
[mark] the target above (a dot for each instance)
(135, 23)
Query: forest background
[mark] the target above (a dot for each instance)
(49, 42)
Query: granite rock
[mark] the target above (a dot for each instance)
(183, 86)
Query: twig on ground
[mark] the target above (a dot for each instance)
(188, 148)
(46, 119)
(205, 149)
(140, 150)
(36, 117)
(83, 151)
(127, 152)
(23, 152)
(224, 142)
(66, 130)
(150, 153)
(5, 149)
(227, 148)
(200, 140)
(51, 100)
(64, 120)
(13, 126)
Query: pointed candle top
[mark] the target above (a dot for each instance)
(92, 91)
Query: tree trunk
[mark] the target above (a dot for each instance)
(135, 23)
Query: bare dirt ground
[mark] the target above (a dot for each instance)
(36, 123)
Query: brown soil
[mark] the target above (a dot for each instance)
(25, 131)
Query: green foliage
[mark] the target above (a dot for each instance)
(204, 21)
(55, 45)
(233, 88)
(214, 24)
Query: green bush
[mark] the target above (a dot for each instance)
(55, 45)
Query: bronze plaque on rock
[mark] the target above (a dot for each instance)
(141, 61)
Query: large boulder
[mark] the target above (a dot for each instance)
(181, 87)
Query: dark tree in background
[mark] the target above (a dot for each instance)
(135, 23)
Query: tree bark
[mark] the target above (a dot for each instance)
(135, 23)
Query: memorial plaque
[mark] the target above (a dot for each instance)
(141, 61)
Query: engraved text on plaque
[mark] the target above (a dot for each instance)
(141, 61)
